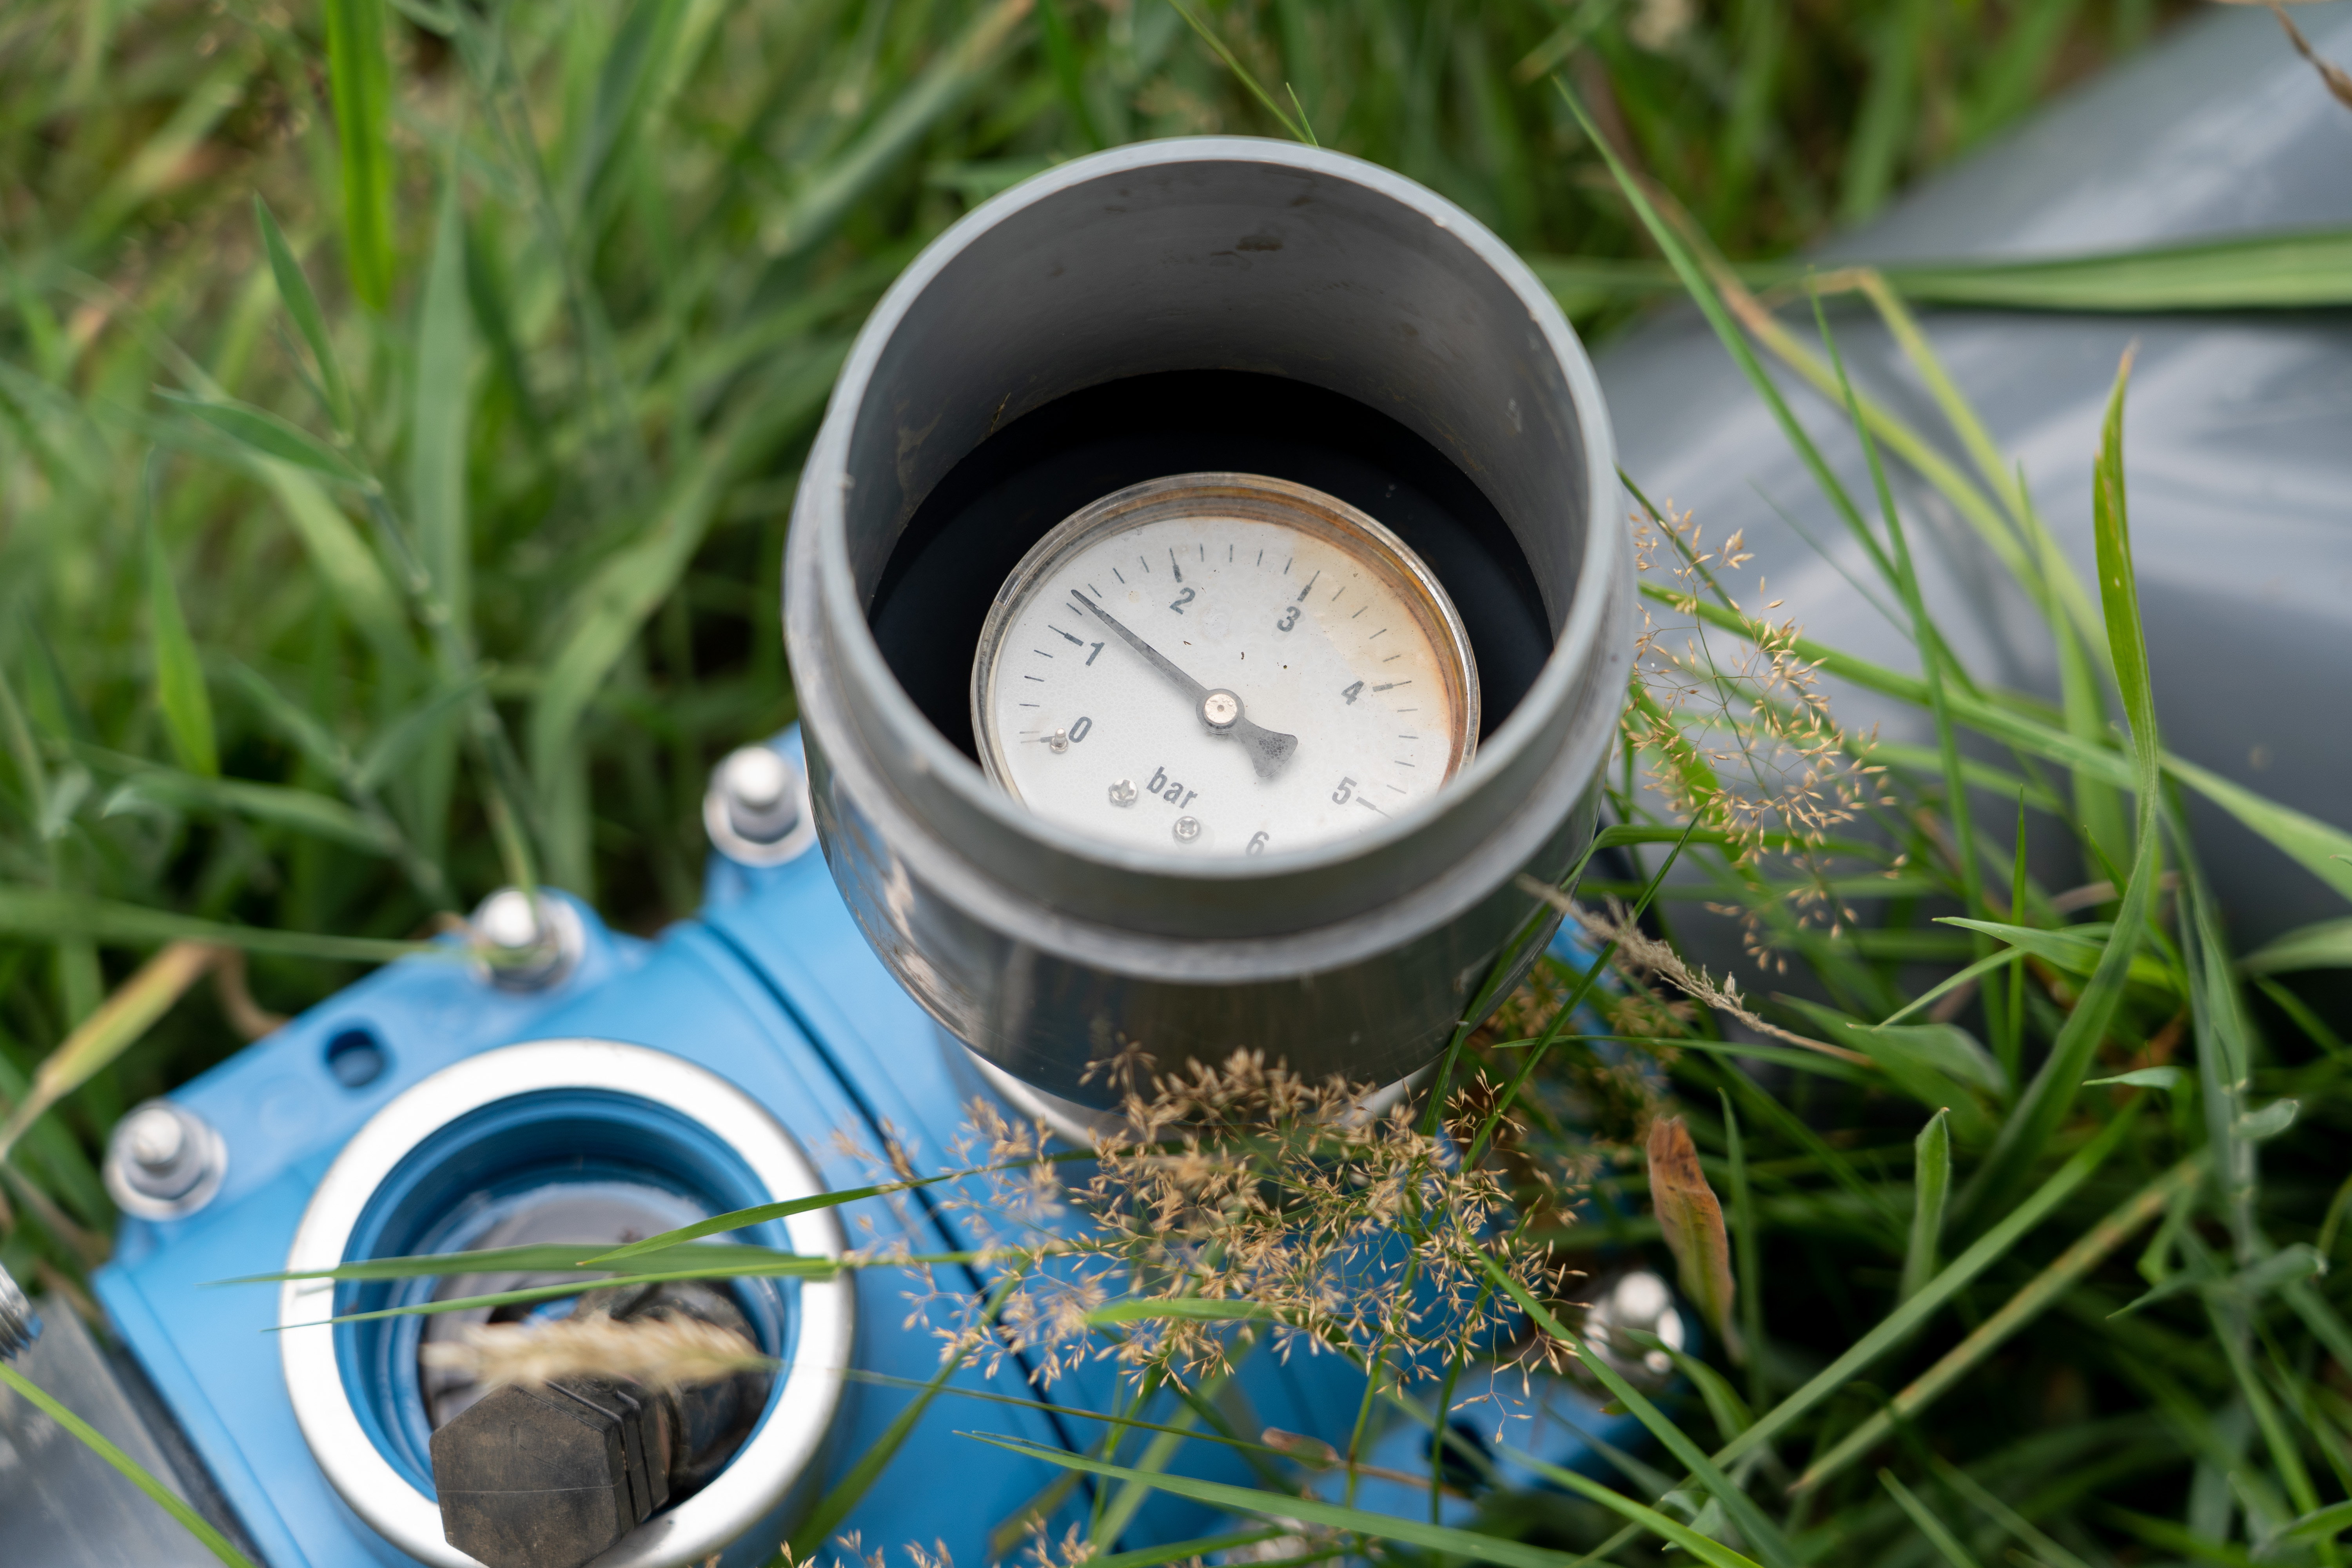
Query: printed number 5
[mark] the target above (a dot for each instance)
(1339, 795)
(1289, 619)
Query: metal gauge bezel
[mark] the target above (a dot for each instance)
(1255, 498)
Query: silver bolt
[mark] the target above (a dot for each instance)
(1123, 793)
(153, 1138)
(1058, 742)
(754, 809)
(1640, 1302)
(524, 941)
(508, 921)
(1220, 709)
(18, 1326)
(1188, 828)
(163, 1160)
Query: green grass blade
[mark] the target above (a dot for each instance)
(820, 203)
(179, 672)
(1297, 128)
(2062, 1274)
(1971, 1491)
(130, 1468)
(440, 405)
(2325, 945)
(1069, 72)
(359, 80)
(1900, 1325)
(302, 304)
(1939, 1534)
(269, 436)
(1750, 1241)
(2045, 1102)
(1760, 1531)
(1383, 1527)
(300, 810)
(720, 1223)
(1931, 1182)
(46, 916)
(542, 1257)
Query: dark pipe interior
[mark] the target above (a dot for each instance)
(975, 525)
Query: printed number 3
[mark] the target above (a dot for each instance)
(1339, 795)
(1289, 619)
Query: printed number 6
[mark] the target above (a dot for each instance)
(1256, 845)
(1289, 619)
(1339, 795)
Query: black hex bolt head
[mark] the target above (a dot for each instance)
(548, 1477)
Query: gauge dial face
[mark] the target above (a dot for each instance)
(1222, 665)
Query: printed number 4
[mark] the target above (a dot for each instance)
(1339, 795)
(1350, 693)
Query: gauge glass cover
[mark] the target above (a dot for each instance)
(1222, 665)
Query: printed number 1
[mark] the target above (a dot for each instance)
(1093, 650)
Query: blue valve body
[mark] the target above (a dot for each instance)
(772, 987)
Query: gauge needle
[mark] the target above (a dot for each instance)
(1220, 710)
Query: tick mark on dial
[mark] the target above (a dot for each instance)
(1400, 763)
(1146, 565)
(1360, 609)
(1399, 788)
(1391, 686)
(1261, 557)
(1309, 588)
(1114, 572)
(1286, 566)
(1038, 678)
(1381, 633)
(1368, 806)
(1339, 590)
(1173, 566)
(1391, 659)
(1028, 705)
(1097, 593)
(1060, 633)
(1041, 653)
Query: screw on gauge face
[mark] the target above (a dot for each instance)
(1187, 829)
(1220, 709)
(1123, 793)
(1059, 740)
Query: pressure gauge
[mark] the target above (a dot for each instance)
(1133, 720)
(1225, 663)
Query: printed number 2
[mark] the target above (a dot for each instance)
(1182, 599)
(1350, 693)
(1256, 845)
(1339, 795)
(1289, 619)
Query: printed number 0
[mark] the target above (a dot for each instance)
(1256, 845)
(1339, 795)
(1289, 619)
(1079, 730)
